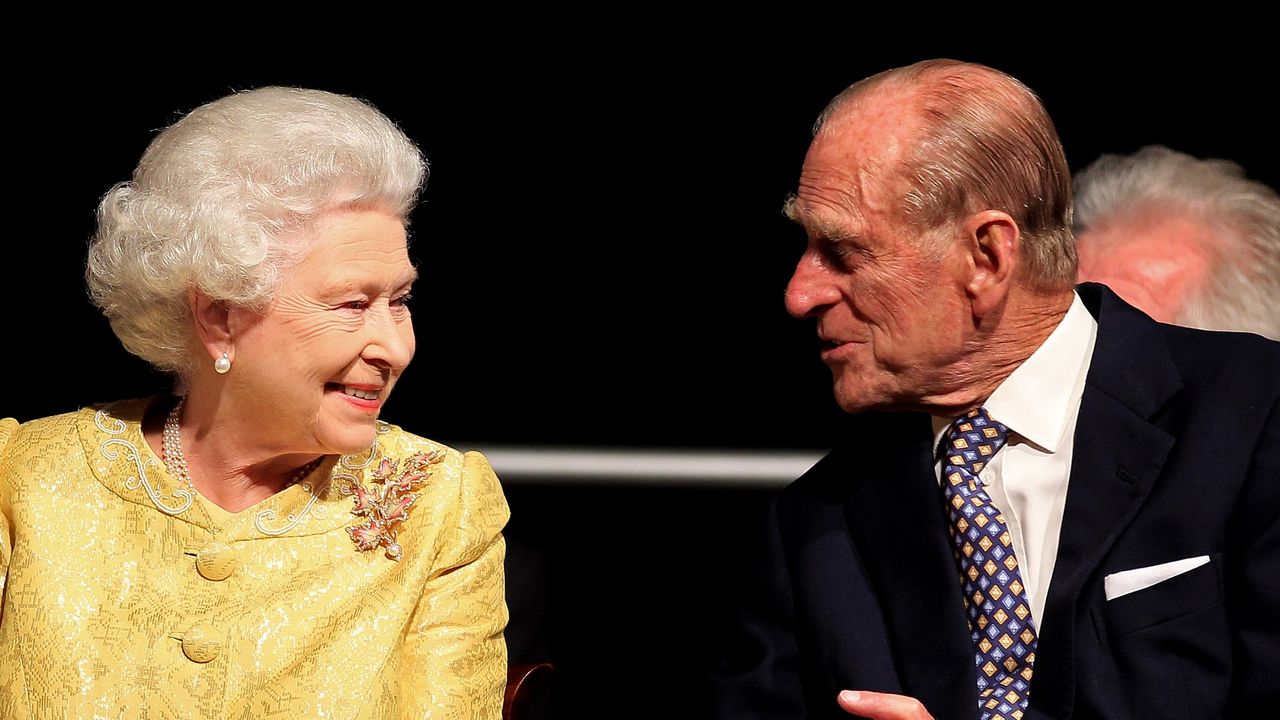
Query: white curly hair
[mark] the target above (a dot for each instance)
(1241, 291)
(218, 201)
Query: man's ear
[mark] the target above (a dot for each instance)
(213, 325)
(992, 241)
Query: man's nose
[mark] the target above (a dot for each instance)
(810, 288)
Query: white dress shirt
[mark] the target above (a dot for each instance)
(1027, 480)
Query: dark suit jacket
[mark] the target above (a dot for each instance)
(1176, 455)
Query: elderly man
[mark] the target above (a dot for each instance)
(1187, 241)
(1048, 505)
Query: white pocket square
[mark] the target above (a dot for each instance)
(1127, 581)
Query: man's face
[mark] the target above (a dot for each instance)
(1155, 260)
(889, 308)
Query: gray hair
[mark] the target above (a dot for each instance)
(221, 200)
(985, 143)
(1241, 290)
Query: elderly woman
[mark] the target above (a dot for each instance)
(262, 545)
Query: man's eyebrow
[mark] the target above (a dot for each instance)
(815, 225)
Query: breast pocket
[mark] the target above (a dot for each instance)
(1180, 595)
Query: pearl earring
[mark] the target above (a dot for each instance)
(222, 365)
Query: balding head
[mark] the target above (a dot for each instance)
(973, 139)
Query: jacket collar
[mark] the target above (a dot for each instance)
(1119, 451)
(120, 458)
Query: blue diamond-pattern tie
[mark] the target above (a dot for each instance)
(996, 602)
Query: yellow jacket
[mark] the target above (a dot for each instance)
(125, 595)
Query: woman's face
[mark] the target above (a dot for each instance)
(313, 371)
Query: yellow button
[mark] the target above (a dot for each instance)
(216, 561)
(199, 646)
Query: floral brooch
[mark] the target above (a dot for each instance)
(385, 505)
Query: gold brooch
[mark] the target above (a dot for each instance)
(387, 503)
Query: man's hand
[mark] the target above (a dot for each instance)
(882, 706)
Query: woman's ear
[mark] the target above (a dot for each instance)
(213, 325)
(992, 241)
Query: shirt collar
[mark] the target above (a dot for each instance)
(1036, 401)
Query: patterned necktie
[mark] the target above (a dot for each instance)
(995, 600)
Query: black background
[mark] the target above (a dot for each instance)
(601, 245)
(603, 260)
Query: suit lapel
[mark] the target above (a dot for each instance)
(1118, 454)
(896, 522)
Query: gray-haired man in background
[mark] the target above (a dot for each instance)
(1188, 241)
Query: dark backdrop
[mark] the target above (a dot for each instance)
(601, 247)
(603, 260)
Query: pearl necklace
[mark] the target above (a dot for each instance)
(176, 462)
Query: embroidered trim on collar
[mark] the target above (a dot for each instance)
(290, 521)
(116, 428)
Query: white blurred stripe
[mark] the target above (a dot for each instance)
(552, 465)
